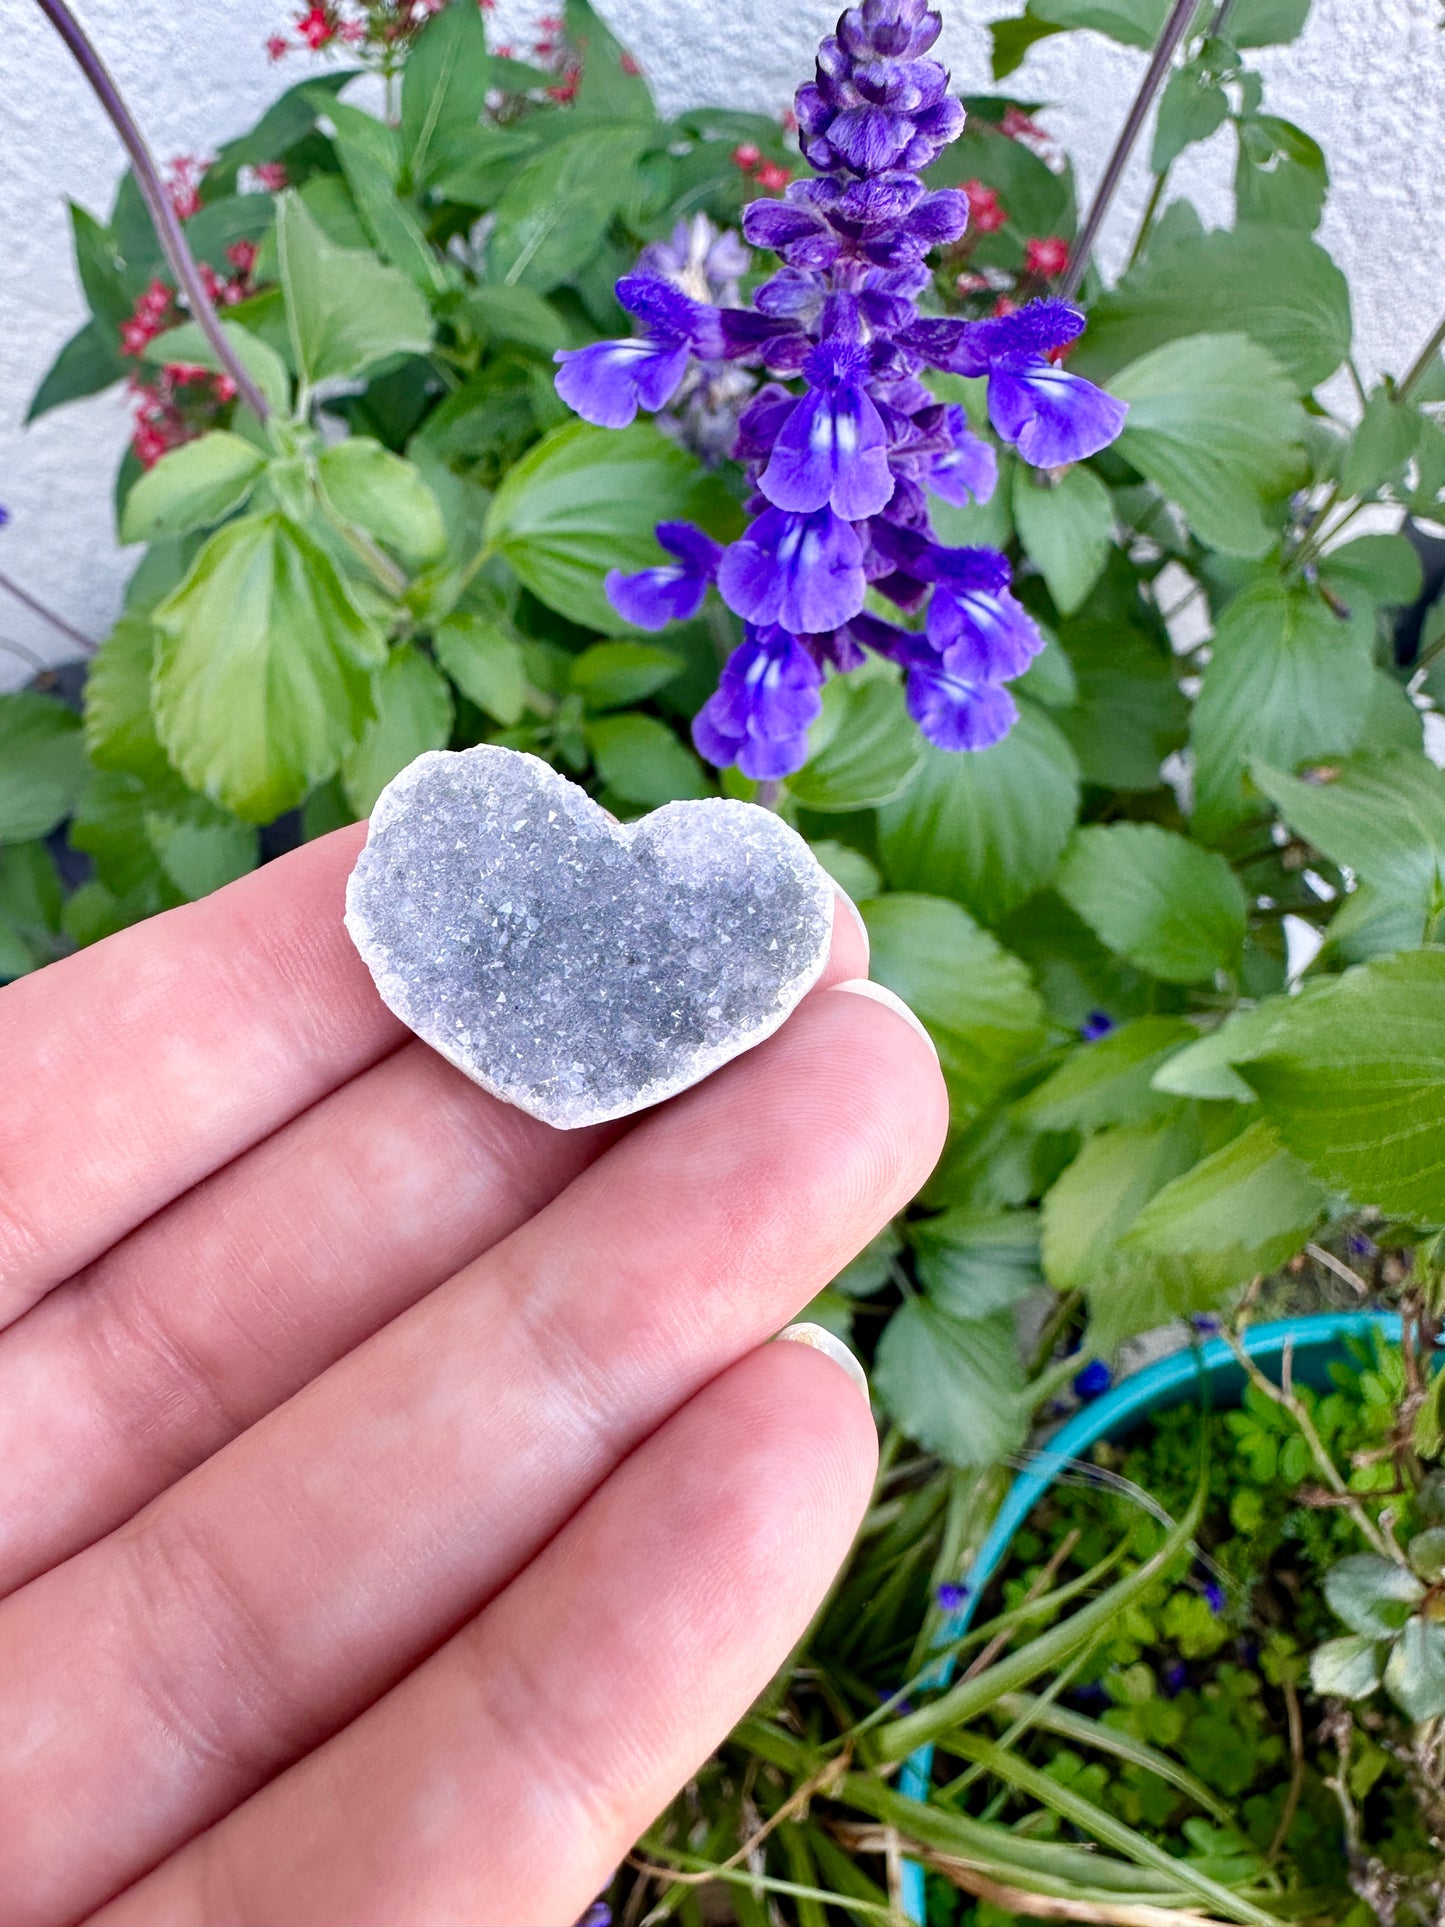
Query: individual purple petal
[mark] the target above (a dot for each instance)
(793, 230)
(947, 344)
(832, 449)
(666, 313)
(1037, 329)
(982, 635)
(939, 218)
(768, 695)
(1051, 416)
(652, 598)
(802, 571)
(607, 382)
(958, 714)
(870, 139)
(968, 470)
(760, 422)
(693, 548)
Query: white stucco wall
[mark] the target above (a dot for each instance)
(1368, 80)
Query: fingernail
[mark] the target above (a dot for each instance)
(823, 1341)
(881, 994)
(857, 915)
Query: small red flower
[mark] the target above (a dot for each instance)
(790, 121)
(135, 335)
(629, 65)
(504, 53)
(549, 23)
(154, 302)
(277, 46)
(183, 373)
(746, 156)
(242, 255)
(316, 27)
(1017, 125)
(353, 32)
(986, 214)
(272, 176)
(1004, 306)
(225, 388)
(1047, 257)
(183, 183)
(544, 49)
(971, 283)
(566, 89)
(772, 178)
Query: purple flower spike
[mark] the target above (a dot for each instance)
(832, 450)
(803, 571)
(1051, 416)
(758, 718)
(968, 471)
(674, 592)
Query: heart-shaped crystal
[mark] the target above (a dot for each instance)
(575, 966)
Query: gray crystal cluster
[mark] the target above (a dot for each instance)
(577, 967)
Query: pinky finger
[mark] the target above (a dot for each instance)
(502, 1781)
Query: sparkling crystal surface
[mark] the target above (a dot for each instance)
(577, 967)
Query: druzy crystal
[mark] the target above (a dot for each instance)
(578, 967)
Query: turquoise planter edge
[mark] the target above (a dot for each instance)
(1166, 1382)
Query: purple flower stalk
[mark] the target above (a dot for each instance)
(842, 471)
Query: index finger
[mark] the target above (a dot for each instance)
(133, 1069)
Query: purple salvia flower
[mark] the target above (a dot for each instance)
(674, 592)
(802, 571)
(758, 718)
(844, 468)
(1097, 1024)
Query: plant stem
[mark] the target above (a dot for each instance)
(1146, 226)
(157, 200)
(769, 790)
(1421, 365)
(48, 615)
(1175, 28)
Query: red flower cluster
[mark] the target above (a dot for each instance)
(178, 404)
(226, 290)
(317, 27)
(272, 176)
(771, 178)
(1017, 125)
(1047, 257)
(183, 184)
(986, 213)
(153, 313)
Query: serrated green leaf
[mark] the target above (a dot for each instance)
(413, 715)
(1288, 680)
(586, 500)
(196, 485)
(1213, 424)
(1109, 1081)
(1165, 904)
(201, 849)
(385, 495)
(973, 1263)
(987, 829)
(1100, 1194)
(1386, 438)
(1384, 568)
(641, 760)
(1128, 712)
(1135, 23)
(1192, 106)
(1353, 1079)
(1267, 23)
(978, 1002)
(263, 677)
(42, 765)
(345, 309)
(865, 749)
(1372, 1595)
(556, 208)
(1281, 178)
(483, 656)
(612, 674)
(849, 868)
(120, 732)
(1347, 1669)
(953, 1384)
(444, 88)
(1066, 529)
(871, 1270)
(30, 909)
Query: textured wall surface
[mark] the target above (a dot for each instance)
(1368, 80)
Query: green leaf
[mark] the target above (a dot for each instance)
(1038, 201)
(1415, 1670)
(1136, 23)
(558, 204)
(849, 868)
(1213, 424)
(370, 158)
(954, 1385)
(474, 167)
(89, 361)
(1385, 569)
(978, 1002)
(1288, 680)
(1353, 1079)
(871, 1270)
(611, 82)
(518, 316)
(285, 122)
(1372, 1595)
(986, 828)
(261, 362)
(1273, 284)
(264, 673)
(1102, 1192)
(413, 715)
(120, 732)
(30, 909)
(1347, 1669)
(641, 760)
(1157, 899)
(385, 495)
(864, 749)
(99, 266)
(1382, 817)
(610, 675)
(42, 765)
(1280, 178)
(444, 87)
(586, 500)
(973, 1263)
(1386, 438)
(1129, 712)
(196, 485)
(1109, 1081)
(1192, 106)
(1012, 40)
(1267, 23)
(199, 848)
(1066, 529)
(483, 656)
(346, 310)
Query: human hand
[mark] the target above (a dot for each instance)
(397, 1498)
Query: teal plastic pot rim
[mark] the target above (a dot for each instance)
(1169, 1381)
